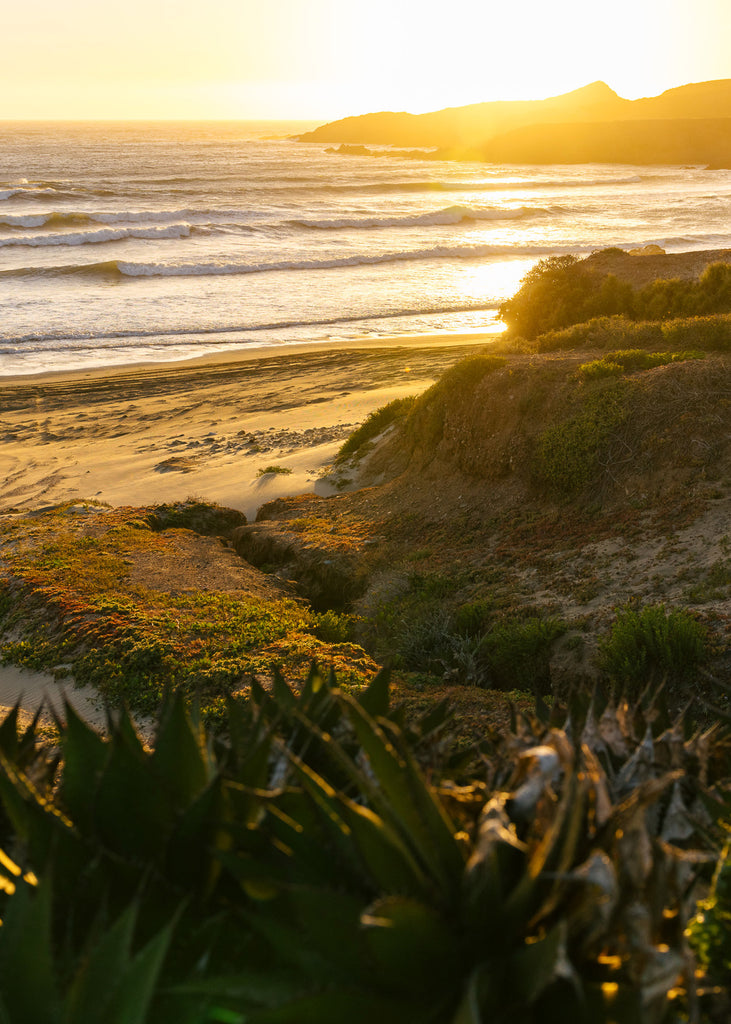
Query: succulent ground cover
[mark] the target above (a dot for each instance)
(132, 600)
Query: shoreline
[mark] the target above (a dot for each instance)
(439, 339)
(211, 426)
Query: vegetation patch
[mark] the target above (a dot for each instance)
(715, 584)
(274, 470)
(425, 423)
(516, 653)
(74, 596)
(630, 361)
(569, 454)
(203, 517)
(560, 291)
(323, 858)
(652, 643)
(374, 425)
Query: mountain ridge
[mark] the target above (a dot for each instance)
(471, 130)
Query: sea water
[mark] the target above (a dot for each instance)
(122, 243)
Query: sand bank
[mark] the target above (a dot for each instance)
(150, 433)
(36, 688)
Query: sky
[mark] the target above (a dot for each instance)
(324, 59)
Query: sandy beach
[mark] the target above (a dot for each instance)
(151, 433)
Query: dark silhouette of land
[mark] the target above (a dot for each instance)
(689, 124)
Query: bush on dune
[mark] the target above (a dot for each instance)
(374, 425)
(560, 292)
(650, 642)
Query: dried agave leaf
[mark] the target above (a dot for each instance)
(611, 732)
(543, 765)
(591, 737)
(602, 802)
(676, 824)
(634, 849)
(638, 925)
(599, 893)
(661, 972)
(639, 767)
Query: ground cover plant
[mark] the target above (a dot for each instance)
(79, 597)
(631, 360)
(374, 425)
(320, 859)
(569, 454)
(704, 333)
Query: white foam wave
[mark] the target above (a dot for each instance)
(161, 216)
(21, 221)
(450, 215)
(466, 252)
(28, 192)
(127, 336)
(100, 235)
(211, 220)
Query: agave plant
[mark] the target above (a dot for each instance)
(562, 892)
(107, 983)
(316, 865)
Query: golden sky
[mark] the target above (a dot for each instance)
(323, 59)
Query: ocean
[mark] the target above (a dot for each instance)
(135, 242)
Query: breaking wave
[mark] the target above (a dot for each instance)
(98, 235)
(450, 215)
(126, 268)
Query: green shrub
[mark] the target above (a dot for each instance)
(601, 332)
(600, 368)
(559, 292)
(427, 417)
(709, 932)
(424, 641)
(710, 293)
(333, 627)
(202, 517)
(708, 333)
(650, 642)
(473, 618)
(375, 424)
(568, 455)
(631, 360)
(267, 470)
(516, 653)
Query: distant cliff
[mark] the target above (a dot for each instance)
(687, 141)
(689, 124)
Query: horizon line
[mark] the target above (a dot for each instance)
(325, 119)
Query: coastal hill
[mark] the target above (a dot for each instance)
(487, 529)
(538, 483)
(687, 124)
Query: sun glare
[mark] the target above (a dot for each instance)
(327, 59)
